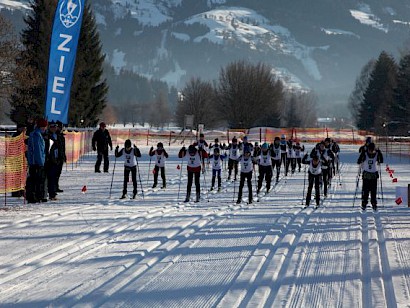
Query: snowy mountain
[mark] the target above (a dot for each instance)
(323, 45)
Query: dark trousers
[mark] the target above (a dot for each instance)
(299, 163)
(156, 171)
(325, 174)
(276, 164)
(35, 184)
(52, 176)
(216, 173)
(59, 170)
(127, 171)
(369, 186)
(100, 156)
(232, 164)
(292, 163)
(248, 177)
(197, 183)
(313, 179)
(265, 172)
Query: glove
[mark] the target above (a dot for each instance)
(94, 148)
(183, 149)
(117, 147)
(152, 148)
(111, 148)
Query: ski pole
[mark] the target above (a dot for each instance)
(203, 173)
(139, 177)
(180, 176)
(113, 172)
(234, 191)
(357, 184)
(304, 184)
(149, 167)
(381, 184)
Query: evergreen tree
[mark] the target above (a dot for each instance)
(29, 93)
(378, 98)
(88, 92)
(356, 97)
(400, 113)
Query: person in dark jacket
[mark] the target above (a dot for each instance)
(61, 153)
(36, 158)
(369, 159)
(100, 142)
(314, 174)
(53, 159)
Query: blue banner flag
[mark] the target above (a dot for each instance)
(63, 50)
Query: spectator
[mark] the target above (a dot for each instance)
(100, 142)
(36, 160)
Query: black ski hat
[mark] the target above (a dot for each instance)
(160, 145)
(371, 146)
(191, 149)
(127, 143)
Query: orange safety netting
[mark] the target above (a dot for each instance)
(13, 163)
(77, 144)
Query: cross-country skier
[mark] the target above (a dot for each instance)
(368, 160)
(363, 148)
(283, 153)
(325, 156)
(298, 150)
(264, 160)
(160, 156)
(314, 174)
(130, 166)
(276, 156)
(246, 145)
(246, 162)
(216, 160)
(202, 146)
(233, 155)
(193, 157)
(336, 150)
(291, 157)
(256, 150)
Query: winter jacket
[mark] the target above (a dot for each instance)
(36, 149)
(101, 140)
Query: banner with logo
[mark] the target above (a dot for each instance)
(63, 50)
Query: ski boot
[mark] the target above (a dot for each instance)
(124, 196)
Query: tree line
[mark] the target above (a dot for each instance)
(380, 100)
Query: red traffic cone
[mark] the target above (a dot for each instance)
(394, 180)
(387, 168)
(391, 170)
(391, 175)
(178, 167)
(399, 201)
(84, 189)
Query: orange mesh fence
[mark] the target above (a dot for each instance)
(13, 164)
(261, 134)
(77, 144)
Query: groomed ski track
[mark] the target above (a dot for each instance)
(89, 250)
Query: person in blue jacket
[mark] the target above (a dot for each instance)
(36, 157)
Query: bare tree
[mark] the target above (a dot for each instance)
(197, 99)
(8, 52)
(300, 110)
(159, 111)
(249, 95)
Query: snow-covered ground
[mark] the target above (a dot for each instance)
(89, 250)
